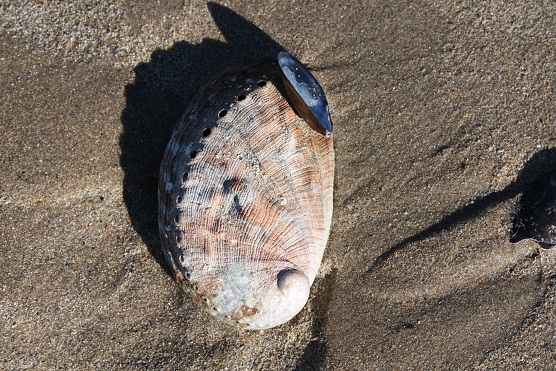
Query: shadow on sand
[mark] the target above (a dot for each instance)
(542, 162)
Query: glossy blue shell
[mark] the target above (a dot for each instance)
(305, 93)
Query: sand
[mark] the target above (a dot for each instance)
(443, 112)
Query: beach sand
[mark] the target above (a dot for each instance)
(443, 112)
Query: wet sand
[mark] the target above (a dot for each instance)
(443, 113)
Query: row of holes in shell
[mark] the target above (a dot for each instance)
(192, 155)
(206, 133)
(195, 288)
(221, 114)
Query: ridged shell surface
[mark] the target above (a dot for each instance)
(245, 199)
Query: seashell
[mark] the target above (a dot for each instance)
(306, 94)
(536, 216)
(245, 199)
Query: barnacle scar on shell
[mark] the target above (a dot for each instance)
(245, 192)
(536, 214)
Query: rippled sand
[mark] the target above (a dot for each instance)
(442, 113)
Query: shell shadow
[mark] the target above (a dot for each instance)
(157, 98)
(537, 166)
(315, 351)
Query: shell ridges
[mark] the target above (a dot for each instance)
(249, 232)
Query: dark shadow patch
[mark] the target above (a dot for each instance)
(237, 205)
(536, 214)
(228, 185)
(314, 354)
(157, 98)
(536, 166)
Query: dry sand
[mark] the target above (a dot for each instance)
(443, 112)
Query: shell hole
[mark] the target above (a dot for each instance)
(181, 261)
(222, 113)
(261, 83)
(184, 177)
(206, 132)
(215, 309)
(193, 154)
(205, 299)
(241, 97)
(187, 275)
(177, 219)
(179, 238)
(179, 199)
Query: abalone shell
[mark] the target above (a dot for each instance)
(245, 199)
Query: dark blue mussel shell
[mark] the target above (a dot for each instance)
(536, 214)
(305, 93)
